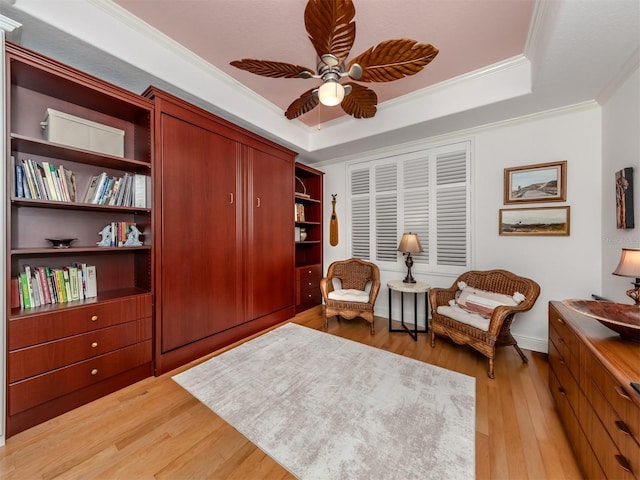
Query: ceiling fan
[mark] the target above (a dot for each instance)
(332, 32)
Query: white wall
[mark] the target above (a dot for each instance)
(565, 267)
(620, 149)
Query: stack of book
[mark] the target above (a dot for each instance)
(44, 181)
(299, 212)
(130, 190)
(44, 285)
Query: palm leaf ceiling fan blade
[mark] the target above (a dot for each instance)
(305, 103)
(269, 68)
(330, 26)
(394, 59)
(332, 32)
(361, 102)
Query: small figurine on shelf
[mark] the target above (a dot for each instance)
(106, 237)
(133, 237)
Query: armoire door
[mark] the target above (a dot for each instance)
(201, 292)
(270, 235)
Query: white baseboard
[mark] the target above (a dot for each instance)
(532, 343)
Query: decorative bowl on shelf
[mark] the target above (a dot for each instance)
(621, 318)
(61, 242)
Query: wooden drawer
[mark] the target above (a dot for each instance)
(311, 296)
(565, 341)
(617, 429)
(28, 393)
(310, 273)
(613, 463)
(39, 328)
(30, 361)
(567, 385)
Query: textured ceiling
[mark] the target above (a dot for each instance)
(470, 34)
(499, 60)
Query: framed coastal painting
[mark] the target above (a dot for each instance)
(535, 221)
(544, 182)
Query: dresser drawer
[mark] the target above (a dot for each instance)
(28, 393)
(565, 341)
(613, 462)
(44, 327)
(30, 361)
(567, 385)
(311, 296)
(310, 273)
(618, 429)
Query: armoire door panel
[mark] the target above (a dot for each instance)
(270, 234)
(201, 208)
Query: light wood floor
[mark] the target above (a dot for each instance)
(155, 429)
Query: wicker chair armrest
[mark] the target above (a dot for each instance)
(373, 294)
(441, 296)
(326, 286)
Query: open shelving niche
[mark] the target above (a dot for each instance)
(309, 192)
(36, 85)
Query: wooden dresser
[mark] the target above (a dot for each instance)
(591, 368)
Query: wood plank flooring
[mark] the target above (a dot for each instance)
(156, 430)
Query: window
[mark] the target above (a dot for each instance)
(424, 192)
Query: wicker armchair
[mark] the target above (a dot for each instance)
(498, 332)
(347, 297)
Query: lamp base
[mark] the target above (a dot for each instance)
(409, 263)
(634, 294)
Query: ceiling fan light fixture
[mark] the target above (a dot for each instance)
(331, 93)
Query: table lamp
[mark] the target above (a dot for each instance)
(629, 266)
(409, 244)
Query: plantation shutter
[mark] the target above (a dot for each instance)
(360, 216)
(386, 205)
(416, 204)
(424, 192)
(451, 172)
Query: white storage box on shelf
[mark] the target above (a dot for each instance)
(65, 129)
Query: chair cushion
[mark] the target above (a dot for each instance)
(474, 300)
(462, 316)
(349, 295)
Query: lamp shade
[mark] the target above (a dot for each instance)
(331, 93)
(629, 265)
(409, 243)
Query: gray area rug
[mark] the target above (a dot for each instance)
(329, 408)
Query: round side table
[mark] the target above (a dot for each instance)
(415, 288)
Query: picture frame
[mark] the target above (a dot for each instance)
(548, 221)
(543, 182)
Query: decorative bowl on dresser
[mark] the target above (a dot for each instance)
(591, 372)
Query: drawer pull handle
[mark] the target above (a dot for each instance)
(94, 371)
(94, 344)
(623, 427)
(309, 284)
(561, 362)
(562, 391)
(623, 462)
(560, 320)
(620, 391)
(94, 318)
(309, 272)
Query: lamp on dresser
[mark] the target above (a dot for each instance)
(409, 244)
(629, 266)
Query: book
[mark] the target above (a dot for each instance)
(91, 189)
(69, 181)
(42, 275)
(73, 283)
(19, 180)
(67, 283)
(33, 193)
(52, 287)
(141, 190)
(15, 292)
(52, 188)
(59, 281)
(24, 288)
(91, 288)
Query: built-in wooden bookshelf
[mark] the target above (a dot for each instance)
(64, 354)
(308, 199)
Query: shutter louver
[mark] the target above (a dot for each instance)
(360, 229)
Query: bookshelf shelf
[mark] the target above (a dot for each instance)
(117, 281)
(308, 251)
